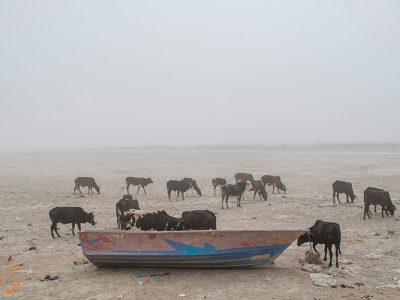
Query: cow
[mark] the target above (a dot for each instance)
(327, 233)
(275, 181)
(372, 189)
(228, 190)
(124, 205)
(217, 182)
(340, 187)
(193, 184)
(244, 177)
(66, 215)
(86, 181)
(378, 197)
(199, 220)
(158, 220)
(180, 186)
(259, 189)
(137, 181)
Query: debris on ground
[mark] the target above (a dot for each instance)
(83, 262)
(50, 278)
(336, 272)
(324, 280)
(139, 275)
(346, 261)
(313, 257)
(390, 232)
(32, 248)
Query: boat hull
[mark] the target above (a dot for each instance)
(190, 249)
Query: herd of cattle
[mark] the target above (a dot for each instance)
(130, 216)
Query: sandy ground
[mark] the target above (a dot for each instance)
(32, 184)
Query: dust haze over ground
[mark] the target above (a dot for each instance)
(33, 183)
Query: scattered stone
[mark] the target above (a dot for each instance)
(308, 268)
(390, 232)
(324, 280)
(346, 261)
(50, 278)
(312, 257)
(377, 234)
(29, 224)
(359, 284)
(32, 248)
(336, 272)
(374, 256)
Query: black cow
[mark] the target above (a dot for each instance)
(124, 205)
(378, 197)
(193, 184)
(180, 186)
(159, 221)
(199, 220)
(136, 181)
(217, 182)
(66, 215)
(340, 187)
(372, 189)
(322, 232)
(275, 181)
(228, 190)
(86, 181)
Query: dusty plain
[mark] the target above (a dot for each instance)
(33, 183)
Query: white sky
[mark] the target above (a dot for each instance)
(135, 73)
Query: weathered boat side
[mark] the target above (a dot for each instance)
(202, 249)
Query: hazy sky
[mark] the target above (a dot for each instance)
(126, 73)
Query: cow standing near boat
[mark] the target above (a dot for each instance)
(343, 187)
(86, 181)
(378, 197)
(199, 220)
(145, 221)
(193, 185)
(217, 182)
(124, 205)
(228, 190)
(137, 181)
(179, 186)
(275, 181)
(67, 215)
(327, 233)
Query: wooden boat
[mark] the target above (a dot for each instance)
(201, 249)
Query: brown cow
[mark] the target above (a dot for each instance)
(258, 188)
(86, 181)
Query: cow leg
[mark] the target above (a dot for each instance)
(79, 226)
(255, 192)
(375, 209)
(337, 259)
(330, 255)
(222, 202)
(183, 197)
(215, 190)
(74, 190)
(325, 252)
(79, 189)
(337, 196)
(89, 189)
(169, 194)
(273, 189)
(73, 227)
(382, 210)
(226, 201)
(137, 192)
(127, 188)
(53, 228)
(315, 244)
(144, 189)
(347, 198)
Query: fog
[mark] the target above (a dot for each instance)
(77, 74)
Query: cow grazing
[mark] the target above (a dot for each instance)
(137, 181)
(372, 189)
(86, 181)
(378, 197)
(258, 188)
(193, 184)
(275, 181)
(199, 220)
(217, 182)
(244, 177)
(159, 221)
(322, 232)
(124, 205)
(228, 190)
(66, 215)
(342, 187)
(179, 186)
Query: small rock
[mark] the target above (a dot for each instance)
(324, 280)
(390, 232)
(359, 284)
(32, 248)
(182, 295)
(50, 278)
